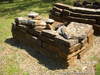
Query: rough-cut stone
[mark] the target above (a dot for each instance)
(72, 31)
(29, 22)
(63, 40)
(78, 9)
(40, 23)
(57, 9)
(86, 16)
(49, 21)
(49, 33)
(33, 15)
(62, 13)
(80, 20)
(47, 40)
(23, 21)
(72, 19)
(34, 32)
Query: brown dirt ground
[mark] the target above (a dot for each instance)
(34, 63)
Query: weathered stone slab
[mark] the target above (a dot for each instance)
(49, 33)
(55, 52)
(65, 12)
(78, 9)
(33, 15)
(57, 9)
(25, 38)
(66, 17)
(29, 22)
(62, 13)
(56, 13)
(66, 42)
(34, 32)
(80, 20)
(86, 16)
(56, 18)
(75, 47)
(52, 41)
(47, 40)
(24, 21)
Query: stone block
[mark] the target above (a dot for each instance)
(49, 33)
(78, 9)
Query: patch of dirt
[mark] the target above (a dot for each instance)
(34, 63)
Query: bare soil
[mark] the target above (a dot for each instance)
(32, 62)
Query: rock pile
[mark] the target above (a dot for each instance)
(65, 41)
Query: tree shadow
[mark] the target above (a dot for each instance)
(43, 60)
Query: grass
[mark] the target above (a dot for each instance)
(9, 65)
(98, 69)
(22, 8)
(8, 11)
(5, 28)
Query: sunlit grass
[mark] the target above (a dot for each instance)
(5, 28)
(98, 69)
(9, 65)
(7, 14)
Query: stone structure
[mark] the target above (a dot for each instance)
(76, 14)
(67, 35)
(64, 41)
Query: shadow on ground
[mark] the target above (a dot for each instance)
(43, 60)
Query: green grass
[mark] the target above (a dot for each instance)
(8, 11)
(23, 7)
(98, 69)
(1, 48)
(5, 28)
(10, 66)
(97, 65)
(25, 73)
